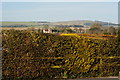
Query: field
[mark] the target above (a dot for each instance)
(18, 23)
(18, 28)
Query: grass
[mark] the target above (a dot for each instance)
(20, 23)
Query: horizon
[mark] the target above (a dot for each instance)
(60, 21)
(59, 11)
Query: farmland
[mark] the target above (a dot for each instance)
(59, 41)
(30, 53)
(20, 23)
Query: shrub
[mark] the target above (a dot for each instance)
(28, 54)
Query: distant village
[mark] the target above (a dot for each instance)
(67, 30)
(90, 27)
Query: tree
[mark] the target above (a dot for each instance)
(112, 30)
(97, 25)
(68, 31)
(95, 28)
(118, 34)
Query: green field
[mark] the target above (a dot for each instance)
(18, 23)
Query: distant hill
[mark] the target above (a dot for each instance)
(82, 22)
(74, 23)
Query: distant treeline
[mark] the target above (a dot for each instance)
(69, 25)
(41, 25)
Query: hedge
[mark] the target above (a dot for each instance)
(34, 55)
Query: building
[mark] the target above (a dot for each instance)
(47, 31)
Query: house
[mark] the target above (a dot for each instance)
(47, 31)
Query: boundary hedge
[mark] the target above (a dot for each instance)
(32, 55)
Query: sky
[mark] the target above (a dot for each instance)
(59, 0)
(59, 11)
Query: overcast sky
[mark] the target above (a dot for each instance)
(59, 11)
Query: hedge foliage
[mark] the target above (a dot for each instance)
(33, 55)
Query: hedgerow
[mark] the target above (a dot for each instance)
(33, 55)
